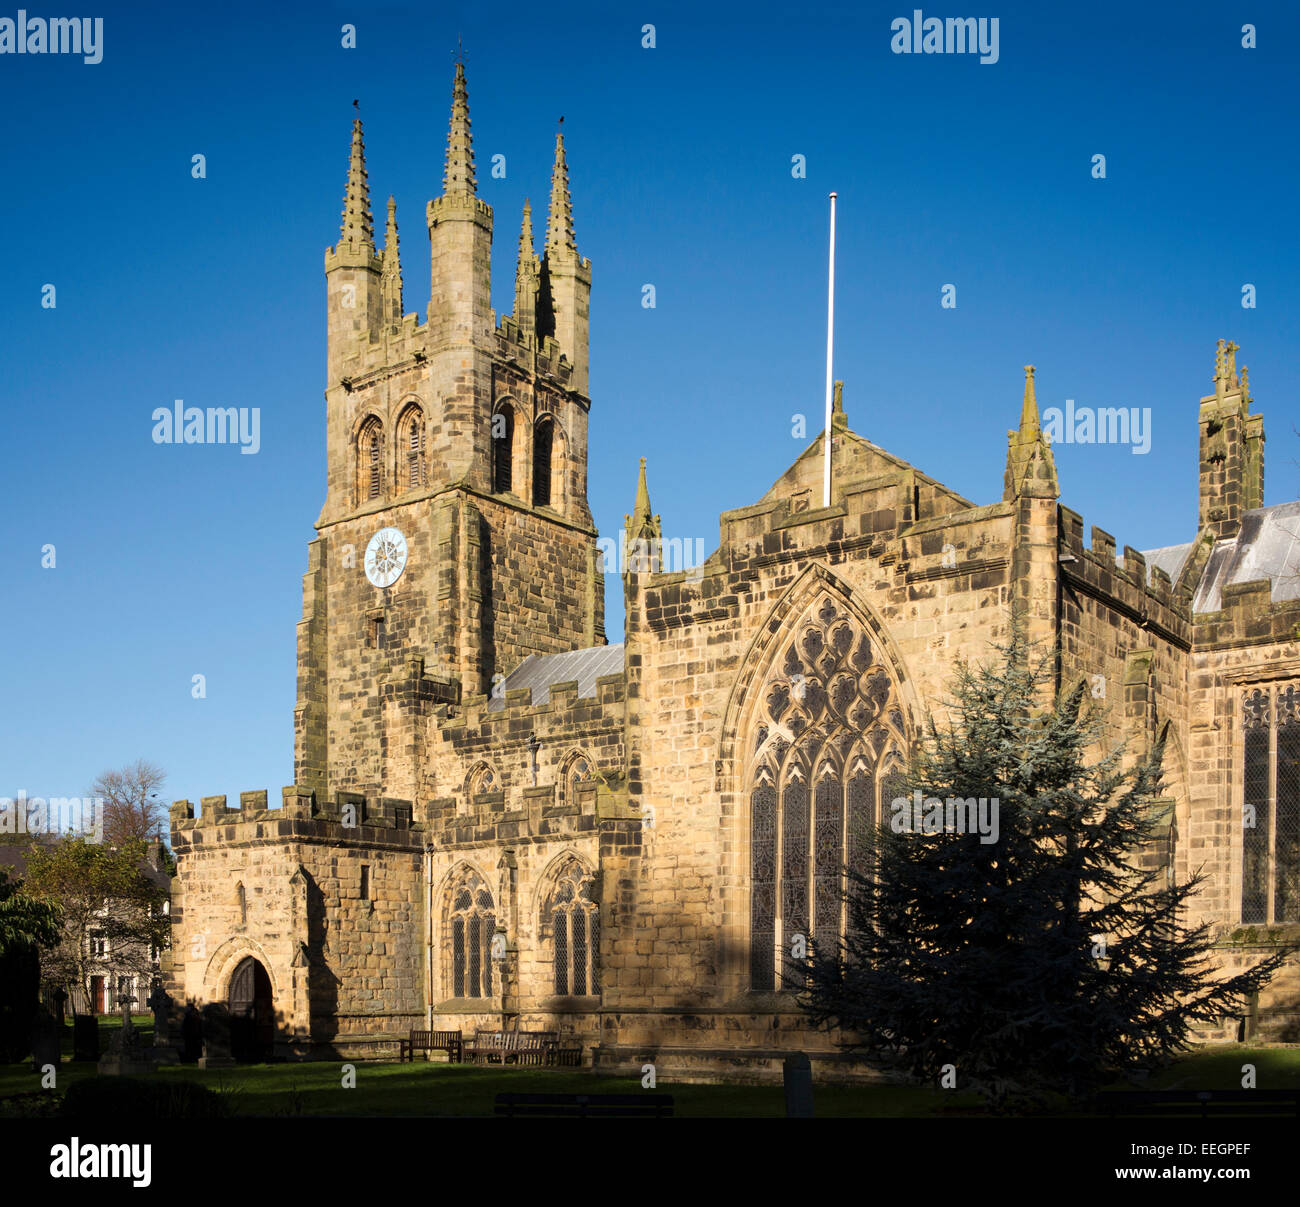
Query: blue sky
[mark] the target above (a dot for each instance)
(174, 561)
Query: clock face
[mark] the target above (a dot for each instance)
(386, 557)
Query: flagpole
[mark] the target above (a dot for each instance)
(830, 355)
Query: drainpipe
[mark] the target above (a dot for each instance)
(428, 936)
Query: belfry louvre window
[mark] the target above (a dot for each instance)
(415, 449)
(370, 461)
(472, 924)
(827, 732)
(543, 438)
(1270, 819)
(503, 450)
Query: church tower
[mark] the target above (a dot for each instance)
(455, 538)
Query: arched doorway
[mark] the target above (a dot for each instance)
(252, 1019)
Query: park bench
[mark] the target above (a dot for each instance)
(1202, 1104)
(586, 1106)
(432, 1041)
(511, 1047)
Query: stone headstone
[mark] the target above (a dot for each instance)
(798, 1087)
(160, 1003)
(216, 1037)
(45, 1040)
(60, 1001)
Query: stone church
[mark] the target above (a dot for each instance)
(498, 818)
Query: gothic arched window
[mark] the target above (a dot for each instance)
(370, 460)
(471, 923)
(1270, 852)
(503, 449)
(573, 918)
(828, 721)
(577, 770)
(543, 445)
(410, 443)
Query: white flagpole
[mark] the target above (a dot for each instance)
(830, 355)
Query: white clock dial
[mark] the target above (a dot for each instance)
(386, 557)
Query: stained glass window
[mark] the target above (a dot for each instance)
(827, 705)
(1270, 848)
(472, 924)
(573, 914)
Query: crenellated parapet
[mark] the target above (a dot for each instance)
(347, 819)
(1148, 599)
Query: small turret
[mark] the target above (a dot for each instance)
(527, 276)
(1031, 468)
(1232, 448)
(391, 279)
(564, 301)
(643, 533)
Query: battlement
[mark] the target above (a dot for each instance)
(349, 816)
(1124, 583)
(522, 350)
(515, 710)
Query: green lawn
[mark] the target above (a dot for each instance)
(435, 1088)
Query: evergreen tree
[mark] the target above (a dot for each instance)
(1047, 961)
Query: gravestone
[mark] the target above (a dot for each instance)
(798, 1087)
(126, 1056)
(45, 1040)
(216, 1037)
(163, 1051)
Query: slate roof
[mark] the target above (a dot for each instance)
(540, 671)
(1267, 547)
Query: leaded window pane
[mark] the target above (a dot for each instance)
(862, 817)
(579, 920)
(1286, 850)
(561, 920)
(593, 940)
(794, 862)
(1255, 827)
(829, 861)
(763, 887)
(474, 942)
(458, 957)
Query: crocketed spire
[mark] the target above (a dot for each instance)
(358, 225)
(458, 176)
(559, 223)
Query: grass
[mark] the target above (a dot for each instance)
(438, 1089)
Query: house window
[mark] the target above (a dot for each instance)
(574, 919)
(98, 945)
(826, 735)
(472, 923)
(1270, 848)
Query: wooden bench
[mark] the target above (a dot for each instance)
(587, 1106)
(1202, 1104)
(511, 1047)
(432, 1041)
